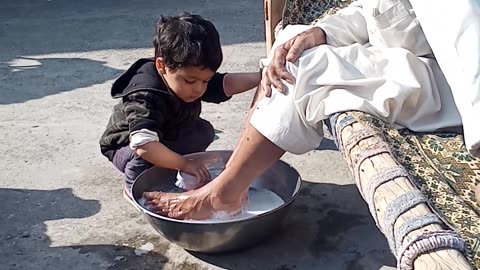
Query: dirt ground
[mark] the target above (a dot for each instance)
(61, 204)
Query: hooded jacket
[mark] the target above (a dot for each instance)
(147, 103)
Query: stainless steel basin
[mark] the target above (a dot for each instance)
(221, 236)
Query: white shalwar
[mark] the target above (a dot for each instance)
(376, 60)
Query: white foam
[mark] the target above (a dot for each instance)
(142, 201)
(262, 200)
(259, 201)
(219, 216)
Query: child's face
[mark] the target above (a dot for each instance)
(188, 83)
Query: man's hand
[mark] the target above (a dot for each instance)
(197, 168)
(290, 51)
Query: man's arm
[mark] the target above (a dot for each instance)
(346, 27)
(236, 83)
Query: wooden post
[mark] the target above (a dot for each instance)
(273, 10)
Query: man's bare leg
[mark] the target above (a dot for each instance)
(259, 94)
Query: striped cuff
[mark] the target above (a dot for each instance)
(142, 137)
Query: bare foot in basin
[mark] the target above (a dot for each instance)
(196, 204)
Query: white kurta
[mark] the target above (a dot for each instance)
(377, 61)
(453, 30)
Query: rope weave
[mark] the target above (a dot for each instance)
(340, 126)
(414, 224)
(356, 137)
(395, 209)
(379, 179)
(428, 242)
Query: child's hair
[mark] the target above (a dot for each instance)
(187, 40)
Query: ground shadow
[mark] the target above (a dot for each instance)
(328, 227)
(217, 131)
(31, 27)
(33, 78)
(327, 144)
(38, 28)
(23, 237)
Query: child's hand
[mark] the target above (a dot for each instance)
(197, 168)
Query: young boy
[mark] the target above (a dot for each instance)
(158, 117)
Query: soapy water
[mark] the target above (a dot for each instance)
(259, 201)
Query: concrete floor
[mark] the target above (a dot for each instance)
(61, 205)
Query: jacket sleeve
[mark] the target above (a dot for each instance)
(145, 110)
(346, 27)
(215, 90)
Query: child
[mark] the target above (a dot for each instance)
(158, 117)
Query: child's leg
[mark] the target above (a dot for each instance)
(128, 162)
(193, 137)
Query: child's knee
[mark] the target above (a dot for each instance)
(207, 131)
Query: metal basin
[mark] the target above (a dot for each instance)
(220, 236)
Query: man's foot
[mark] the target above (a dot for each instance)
(196, 204)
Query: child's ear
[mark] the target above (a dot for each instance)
(160, 65)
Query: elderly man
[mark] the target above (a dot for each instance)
(411, 63)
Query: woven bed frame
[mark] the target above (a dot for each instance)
(417, 236)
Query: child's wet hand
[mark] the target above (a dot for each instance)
(198, 169)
